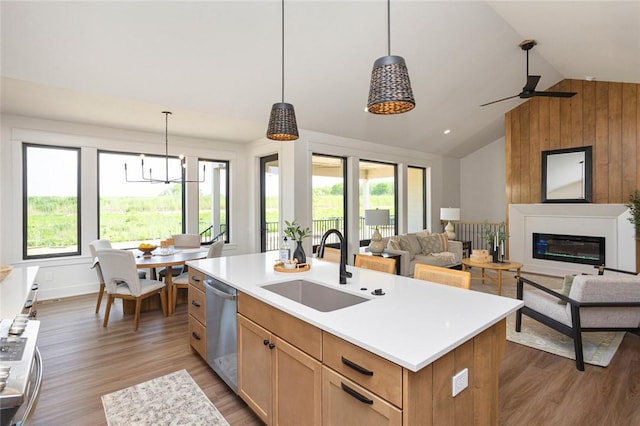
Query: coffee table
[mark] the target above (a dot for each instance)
(506, 265)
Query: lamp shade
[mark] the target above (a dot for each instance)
(450, 213)
(282, 123)
(376, 217)
(390, 89)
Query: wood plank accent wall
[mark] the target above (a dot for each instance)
(605, 115)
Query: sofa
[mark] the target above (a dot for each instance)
(424, 247)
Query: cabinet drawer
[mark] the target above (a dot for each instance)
(369, 370)
(198, 337)
(196, 278)
(197, 304)
(297, 332)
(344, 402)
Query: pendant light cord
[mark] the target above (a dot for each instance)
(283, 51)
(388, 27)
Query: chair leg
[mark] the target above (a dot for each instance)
(175, 296)
(577, 336)
(100, 294)
(519, 320)
(136, 318)
(163, 301)
(107, 311)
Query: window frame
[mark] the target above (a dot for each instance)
(139, 154)
(25, 197)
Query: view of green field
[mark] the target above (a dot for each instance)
(52, 220)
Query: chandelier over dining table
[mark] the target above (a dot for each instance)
(166, 180)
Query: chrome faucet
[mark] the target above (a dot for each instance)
(343, 254)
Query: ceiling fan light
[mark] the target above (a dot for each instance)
(390, 89)
(282, 123)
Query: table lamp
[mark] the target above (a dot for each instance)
(376, 218)
(450, 214)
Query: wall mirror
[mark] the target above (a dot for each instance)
(566, 175)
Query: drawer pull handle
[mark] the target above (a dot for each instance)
(356, 367)
(196, 336)
(195, 278)
(195, 303)
(356, 395)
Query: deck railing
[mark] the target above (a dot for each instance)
(465, 231)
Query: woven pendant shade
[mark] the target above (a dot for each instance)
(282, 123)
(390, 90)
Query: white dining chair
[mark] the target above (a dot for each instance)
(94, 246)
(122, 282)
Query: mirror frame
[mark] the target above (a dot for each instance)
(587, 177)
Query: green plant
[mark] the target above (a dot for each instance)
(634, 207)
(295, 232)
(489, 235)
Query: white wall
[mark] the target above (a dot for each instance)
(483, 184)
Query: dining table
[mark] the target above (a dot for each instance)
(161, 260)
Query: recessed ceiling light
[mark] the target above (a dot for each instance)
(446, 132)
(589, 78)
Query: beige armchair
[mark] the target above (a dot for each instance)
(594, 303)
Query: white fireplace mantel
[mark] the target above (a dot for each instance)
(598, 220)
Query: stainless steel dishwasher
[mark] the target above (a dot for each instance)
(222, 339)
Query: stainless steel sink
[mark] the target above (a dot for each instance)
(316, 296)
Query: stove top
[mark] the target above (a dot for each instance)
(16, 358)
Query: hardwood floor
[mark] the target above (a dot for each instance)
(82, 361)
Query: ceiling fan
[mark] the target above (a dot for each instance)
(529, 89)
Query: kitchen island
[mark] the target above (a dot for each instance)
(418, 336)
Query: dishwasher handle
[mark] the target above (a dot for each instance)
(219, 293)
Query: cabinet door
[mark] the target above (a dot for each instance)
(254, 368)
(344, 403)
(297, 386)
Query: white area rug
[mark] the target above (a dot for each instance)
(174, 399)
(598, 348)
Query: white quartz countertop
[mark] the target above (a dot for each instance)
(413, 324)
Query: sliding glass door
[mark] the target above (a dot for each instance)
(329, 196)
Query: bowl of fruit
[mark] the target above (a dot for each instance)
(147, 248)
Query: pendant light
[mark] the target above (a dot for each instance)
(282, 122)
(390, 90)
(166, 180)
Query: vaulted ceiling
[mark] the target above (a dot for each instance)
(217, 64)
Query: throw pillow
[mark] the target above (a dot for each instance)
(444, 241)
(566, 287)
(414, 244)
(430, 244)
(393, 243)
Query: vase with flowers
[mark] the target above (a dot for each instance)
(296, 233)
(495, 239)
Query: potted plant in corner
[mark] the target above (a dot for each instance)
(297, 234)
(634, 208)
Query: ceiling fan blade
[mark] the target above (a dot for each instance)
(554, 94)
(532, 82)
(500, 100)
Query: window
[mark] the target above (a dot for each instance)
(377, 191)
(51, 201)
(213, 200)
(329, 196)
(416, 196)
(269, 202)
(133, 212)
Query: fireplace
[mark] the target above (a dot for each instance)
(569, 248)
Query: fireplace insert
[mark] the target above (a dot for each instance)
(569, 248)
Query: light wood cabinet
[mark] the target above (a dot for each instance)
(279, 382)
(197, 313)
(291, 372)
(344, 402)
